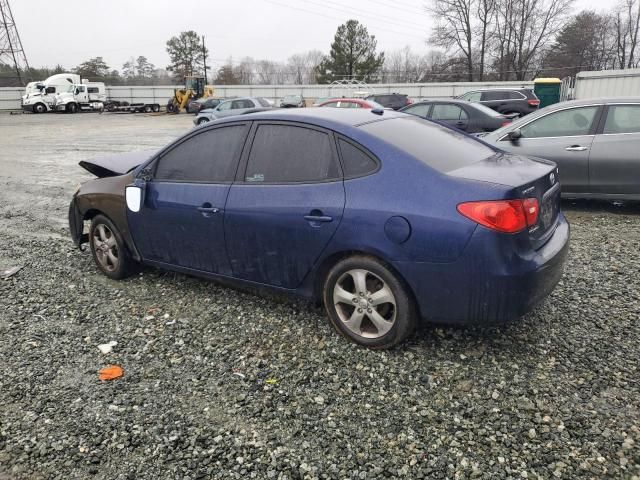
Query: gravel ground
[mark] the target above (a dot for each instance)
(221, 383)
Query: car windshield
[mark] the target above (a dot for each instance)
(263, 102)
(441, 148)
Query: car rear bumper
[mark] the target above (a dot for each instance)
(492, 282)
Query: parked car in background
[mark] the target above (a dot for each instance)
(230, 107)
(385, 217)
(595, 142)
(195, 106)
(292, 101)
(463, 115)
(351, 103)
(520, 101)
(200, 122)
(396, 101)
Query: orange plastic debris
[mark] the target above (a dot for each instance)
(111, 372)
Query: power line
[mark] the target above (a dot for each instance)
(403, 24)
(338, 18)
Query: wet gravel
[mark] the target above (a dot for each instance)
(222, 383)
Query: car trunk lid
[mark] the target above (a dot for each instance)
(525, 178)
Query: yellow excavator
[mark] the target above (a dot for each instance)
(194, 89)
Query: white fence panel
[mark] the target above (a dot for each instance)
(11, 98)
(608, 83)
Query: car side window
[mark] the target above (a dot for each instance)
(448, 112)
(331, 104)
(355, 161)
(569, 122)
(290, 154)
(622, 119)
(494, 95)
(237, 104)
(515, 96)
(224, 106)
(419, 110)
(210, 156)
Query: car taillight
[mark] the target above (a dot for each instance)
(533, 103)
(507, 216)
(506, 122)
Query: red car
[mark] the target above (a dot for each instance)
(351, 103)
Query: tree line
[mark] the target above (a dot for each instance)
(472, 40)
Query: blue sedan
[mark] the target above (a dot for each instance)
(385, 217)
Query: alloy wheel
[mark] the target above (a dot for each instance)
(364, 303)
(106, 247)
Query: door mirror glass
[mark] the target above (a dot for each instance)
(515, 135)
(133, 195)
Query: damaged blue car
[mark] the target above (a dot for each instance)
(384, 217)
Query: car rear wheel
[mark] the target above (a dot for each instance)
(367, 303)
(108, 249)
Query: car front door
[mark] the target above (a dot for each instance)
(563, 136)
(614, 162)
(181, 221)
(286, 204)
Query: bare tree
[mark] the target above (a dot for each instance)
(524, 29)
(626, 25)
(301, 67)
(454, 30)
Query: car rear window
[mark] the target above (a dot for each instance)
(486, 110)
(441, 148)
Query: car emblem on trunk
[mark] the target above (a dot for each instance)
(552, 178)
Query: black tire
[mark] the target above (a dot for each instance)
(171, 107)
(147, 109)
(72, 108)
(202, 120)
(156, 108)
(401, 313)
(39, 108)
(125, 265)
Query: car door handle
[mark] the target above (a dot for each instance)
(204, 209)
(576, 148)
(318, 218)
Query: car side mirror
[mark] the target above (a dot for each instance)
(134, 195)
(515, 135)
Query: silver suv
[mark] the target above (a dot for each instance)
(234, 106)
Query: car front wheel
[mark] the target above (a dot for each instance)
(202, 120)
(367, 303)
(108, 249)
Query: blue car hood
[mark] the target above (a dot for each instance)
(118, 164)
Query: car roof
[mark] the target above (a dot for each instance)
(444, 99)
(326, 117)
(591, 101)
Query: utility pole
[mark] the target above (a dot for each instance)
(204, 56)
(11, 50)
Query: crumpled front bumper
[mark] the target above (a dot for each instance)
(76, 225)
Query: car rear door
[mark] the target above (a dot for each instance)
(285, 205)
(563, 136)
(450, 114)
(614, 161)
(181, 220)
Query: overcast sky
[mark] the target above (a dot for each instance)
(68, 32)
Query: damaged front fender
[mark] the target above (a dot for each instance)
(76, 225)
